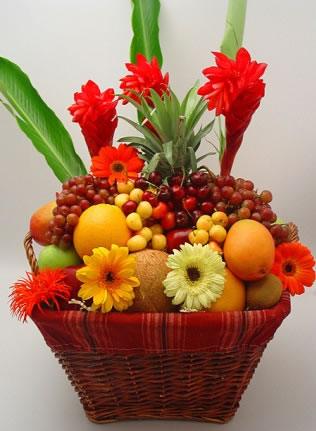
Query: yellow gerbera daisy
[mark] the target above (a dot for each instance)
(108, 278)
(197, 277)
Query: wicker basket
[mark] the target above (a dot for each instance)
(185, 376)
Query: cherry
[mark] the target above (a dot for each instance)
(155, 178)
(191, 190)
(204, 192)
(248, 185)
(182, 219)
(177, 192)
(236, 198)
(160, 210)
(247, 194)
(150, 197)
(141, 183)
(164, 194)
(175, 180)
(190, 203)
(207, 207)
(196, 214)
(168, 221)
(199, 178)
(129, 207)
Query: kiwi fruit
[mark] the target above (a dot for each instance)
(263, 293)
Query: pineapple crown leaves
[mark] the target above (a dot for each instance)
(169, 141)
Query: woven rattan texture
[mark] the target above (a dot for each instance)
(199, 386)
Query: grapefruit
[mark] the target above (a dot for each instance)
(234, 295)
(100, 226)
(249, 250)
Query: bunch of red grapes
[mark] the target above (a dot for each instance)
(177, 203)
(77, 194)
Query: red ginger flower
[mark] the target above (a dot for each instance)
(144, 77)
(96, 114)
(37, 291)
(294, 265)
(117, 163)
(235, 91)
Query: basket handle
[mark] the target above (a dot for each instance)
(30, 253)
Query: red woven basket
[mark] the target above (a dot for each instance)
(192, 366)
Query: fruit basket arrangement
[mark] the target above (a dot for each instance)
(160, 282)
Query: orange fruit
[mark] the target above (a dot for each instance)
(39, 222)
(100, 226)
(249, 250)
(234, 295)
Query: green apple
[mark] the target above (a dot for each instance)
(53, 257)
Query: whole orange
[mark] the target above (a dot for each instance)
(234, 295)
(100, 226)
(249, 250)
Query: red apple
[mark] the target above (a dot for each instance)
(177, 237)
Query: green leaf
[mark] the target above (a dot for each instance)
(155, 143)
(193, 161)
(153, 164)
(39, 122)
(222, 139)
(145, 26)
(168, 151)
(234, 29)
(199, 159)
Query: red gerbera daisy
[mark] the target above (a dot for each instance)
(294, 265)
(96, 113)
(144, 77)
(234, 89)
(38, 290)
(117, 163)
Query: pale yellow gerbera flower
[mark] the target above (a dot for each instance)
(197, 277)
(108, 278)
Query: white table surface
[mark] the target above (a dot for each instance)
(36, 396)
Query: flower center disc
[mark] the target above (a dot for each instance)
(289, 268)
(118, 167)
(193, 273)
(109, 277)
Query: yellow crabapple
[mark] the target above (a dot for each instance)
(120, 199)
(156, 229)
(134, 222)
(218, 233)
(204, 222)
(136, 243)
(144, 209)
(136, 195)
(159, 241)
(220, 218)
(125, 187)
(146, 233)
(198, 236)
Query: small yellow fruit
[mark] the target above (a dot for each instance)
(204, 222)
(120, 199)
(156, 228)
(136, 243)
(125, 187)
(159, 241)
(146, 233)
(198, 236)
(220, 218)
(136, 195)
(218, 233)
(134, 222)
(234, 295)
(144, 209)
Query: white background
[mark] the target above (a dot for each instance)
(62, 44)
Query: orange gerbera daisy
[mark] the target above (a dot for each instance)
(294, 265)
(46, 288)
(117, 163)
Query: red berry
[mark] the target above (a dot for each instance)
(150, 197)
(182, 219)
(164, 194)
(129, 207)
(220, 181)
(227, 192)
(177, 192)
(266, 196)
(220, 206)
(248, 185)
(175, 180)
(256, 216)
(196, 214)
(229, 181)
(247, 203)
(190, 203)
(160, 210)
(244, 213)
(216, 196)
(204, 192)
(155, 178)
(191, 191)
(207, 207)
(141, 183)
(266, 214)
(236, 198)
(169, 221)
(232, 218)
(199, 178)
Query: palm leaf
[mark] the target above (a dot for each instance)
(234, 29)
(39, 122)
(145, 26)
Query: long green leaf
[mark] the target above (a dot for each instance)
(234, 29)
(39, 122)
(146, 30)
